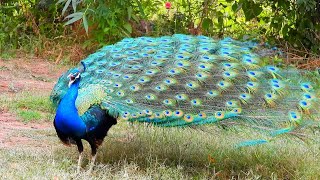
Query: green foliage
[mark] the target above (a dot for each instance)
(109, 20)
(296, 22)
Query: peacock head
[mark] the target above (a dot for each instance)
(74, 76)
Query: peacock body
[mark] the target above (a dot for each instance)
(184, 80)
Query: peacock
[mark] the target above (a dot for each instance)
(181, 81)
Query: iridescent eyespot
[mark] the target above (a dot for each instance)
(116, 75)
(125, 117)
(134, 115)
(129, 101)
(178, 113)
(170, 81)
(294, 116)
(109, 90)
(151, 97)
(117, 85)
(237, 110)
(305, 104)
(181, 97)
(126, 113)
(212, 93)
(168, 102)
(161, 88)
(232, 103)
(188, 118)
(192, 85)
(219, 115)
(120, 93)
(144, 79)
(135, 87)
(308, 96)
(107, 82)
(306, 87)
(152, 72)
(202, 115)
(148, 112)
(158, 115)
(99, 71)
(113, 64)
(132, 58)
(126, 77)
(167, 113)
(196, 102)
(141, 114)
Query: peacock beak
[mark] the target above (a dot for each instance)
(72, 78)
(70, 82)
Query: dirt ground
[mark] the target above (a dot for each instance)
(17, 75)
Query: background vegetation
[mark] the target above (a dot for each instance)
(44, 27)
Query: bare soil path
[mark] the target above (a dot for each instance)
(20, 75)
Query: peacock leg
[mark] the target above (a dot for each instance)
(80, 149)
(93, 159)
(79, 162)
(94, 155)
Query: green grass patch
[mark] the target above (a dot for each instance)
(29, 115)
(28, 106)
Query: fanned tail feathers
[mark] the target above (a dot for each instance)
(184, 80)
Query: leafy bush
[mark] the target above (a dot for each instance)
(20, 21)
(296, 22)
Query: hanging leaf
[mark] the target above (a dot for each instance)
(220, 21)
(76, 14)
(85, 23)
(206, 23)
(74, 17)
(251, 9)
(65, 7)
(285, 30)
(129, 12)
(141, 9)
(128, 27)
(60, 1)
(74, 5)
(236, 6)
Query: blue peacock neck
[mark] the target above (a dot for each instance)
(67, 117)
(71, 95)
